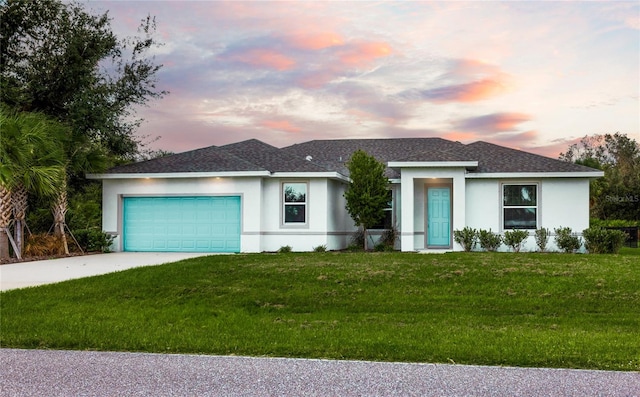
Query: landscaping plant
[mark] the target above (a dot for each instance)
(603, 241)
(488, 240)
(515, 238)
(542, 238)
(566, 240)
(467, 238)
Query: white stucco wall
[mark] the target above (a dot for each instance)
(562, 202)
(414, 182)
(249, 188)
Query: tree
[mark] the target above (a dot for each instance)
(617, 194)
(31, 161)
(367, 193)
(58, 59)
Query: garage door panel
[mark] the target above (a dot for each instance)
(197, 224)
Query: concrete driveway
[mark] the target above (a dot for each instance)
(31, 274)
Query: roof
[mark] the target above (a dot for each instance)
(321, 156)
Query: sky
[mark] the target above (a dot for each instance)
(535, 76)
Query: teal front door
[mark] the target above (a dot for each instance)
(187, 224)
(438, 217)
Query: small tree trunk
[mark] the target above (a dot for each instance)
(19, 199)
(364, 234)
(5, 218)
(59, 210)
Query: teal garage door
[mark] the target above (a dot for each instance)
(187, 224)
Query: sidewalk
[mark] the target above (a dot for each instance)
(30, 274)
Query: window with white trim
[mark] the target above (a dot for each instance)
(294, 199)
(386, 223)
(520, 206)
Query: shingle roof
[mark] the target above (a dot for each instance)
(332, 155)
(209, 159)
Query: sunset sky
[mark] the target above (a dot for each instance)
(529, 75)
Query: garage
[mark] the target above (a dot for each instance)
(181, 224)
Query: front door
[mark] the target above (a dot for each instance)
(438, 217)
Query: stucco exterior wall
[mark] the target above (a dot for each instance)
(248, 188)
(562, 202)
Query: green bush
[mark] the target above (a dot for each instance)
(93, 240)
(467, 238)
(320, 248)
(566, 240)
(603, 241)
(542, 238)
(489, 240)
(285, 249)
(388, 238)
(515, 238)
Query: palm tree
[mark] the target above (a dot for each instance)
(32, 162)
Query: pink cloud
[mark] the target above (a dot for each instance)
(468, 92)
(264, 58)
(497, 122)
(361, 54)
(461, 136)
(280, 125)
(315, 41)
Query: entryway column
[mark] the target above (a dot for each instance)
(407, 228)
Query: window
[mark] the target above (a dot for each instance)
(295, 203)
(387, 221)
(520, 206)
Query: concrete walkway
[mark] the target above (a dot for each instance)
(31, 274)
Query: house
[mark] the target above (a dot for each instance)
(252, 197)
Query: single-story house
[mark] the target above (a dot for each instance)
(253, 197)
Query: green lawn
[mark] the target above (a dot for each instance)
(527, 309)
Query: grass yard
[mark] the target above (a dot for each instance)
(527, 309)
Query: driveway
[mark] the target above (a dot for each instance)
(31, 274)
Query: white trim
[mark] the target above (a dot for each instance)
(431, 164)
(334, 175)
(503, 175)
(167, 175)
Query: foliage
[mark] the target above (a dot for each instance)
(525, 310)
(389, 238)
(515, 238)
(320, 248)
(595, 222)
(59, 59)
(93, 240)
(43, 245)
(542, 238)
(603, 241)
(467, 238)
(285, 249)
(566, 240)
(367, 194)
(617, 194)
(488, 240)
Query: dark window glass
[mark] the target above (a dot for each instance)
(295, 202)
(520, 195)
(520, 218)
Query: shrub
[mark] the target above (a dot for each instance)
(566, 240)
(489, 240)
(603, 241)
(389, 238)
(467, 238)
(320, 248)
(285, 249)
(542, 238)
(514, 239)
(43, 244)
(92, 240)
(358, 238)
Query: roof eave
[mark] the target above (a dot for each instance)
(433, 164)
(494, 175)
(173, 175)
